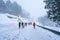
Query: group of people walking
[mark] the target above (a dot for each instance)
(19, 24)
(23, 24)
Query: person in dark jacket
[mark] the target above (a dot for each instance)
(34, 25)
(22, 25)
(19, 25)
(19, 22)
(26, 24)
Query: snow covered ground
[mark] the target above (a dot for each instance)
(9, 31)
(48, 23)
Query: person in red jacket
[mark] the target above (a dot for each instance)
(34, 24)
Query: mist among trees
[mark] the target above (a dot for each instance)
(12, 8)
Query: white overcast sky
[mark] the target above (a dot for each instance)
(34, 7)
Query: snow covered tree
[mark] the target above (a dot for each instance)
(53, 12)
(3, 7)
(14, 8)
(9, 4)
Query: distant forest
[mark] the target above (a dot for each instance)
(12, 8)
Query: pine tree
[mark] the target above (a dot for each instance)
(14, 8)
(53, 12)
(3, 7)
(9, 4)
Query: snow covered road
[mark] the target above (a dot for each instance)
(10, 31)
(28, 33)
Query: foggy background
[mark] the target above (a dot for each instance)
(34, 7)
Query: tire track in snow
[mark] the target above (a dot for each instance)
(16, 36)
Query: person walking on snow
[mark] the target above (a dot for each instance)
(19, 22)
(34, 24)
(22, 25)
